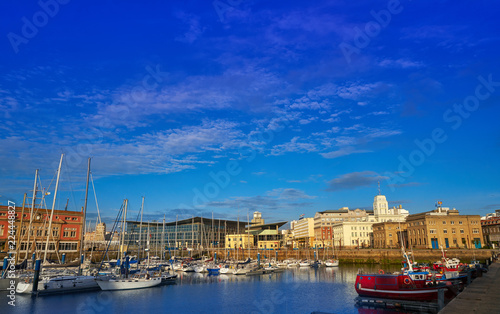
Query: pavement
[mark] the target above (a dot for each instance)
(481, 296)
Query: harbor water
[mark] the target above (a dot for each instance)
(297, 290)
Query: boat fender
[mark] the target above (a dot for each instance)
(406, 280)
(381, 271)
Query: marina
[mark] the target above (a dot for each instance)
(267, 289)
(295, 290)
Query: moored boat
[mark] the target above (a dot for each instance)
(129, 283)
(408, 285)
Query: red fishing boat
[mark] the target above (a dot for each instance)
(408, 285)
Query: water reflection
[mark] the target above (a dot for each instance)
(296, 290)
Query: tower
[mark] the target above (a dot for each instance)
(380, 205)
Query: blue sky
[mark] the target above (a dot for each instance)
(235, 106)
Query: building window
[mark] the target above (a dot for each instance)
(459, 222)
(432, 231)
(462, 231)
(475, 230)
(67, 246)
(452, 222)
(445, 231)
(453, 231)
(444, 222)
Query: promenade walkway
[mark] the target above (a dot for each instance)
(481, 296)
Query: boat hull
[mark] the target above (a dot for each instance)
(399, 287)
(128, 284)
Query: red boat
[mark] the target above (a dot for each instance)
(408, 285)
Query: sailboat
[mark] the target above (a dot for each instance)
(62, 284)
(138, 281)
(332, 262)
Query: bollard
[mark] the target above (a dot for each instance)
(36, 277)
(469, 276)
(127, 261)
(63, 260)
(440, 299)
(4, 269)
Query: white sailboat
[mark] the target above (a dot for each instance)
(136, 282)
(61, 284)
(139, 281)
(333, 262)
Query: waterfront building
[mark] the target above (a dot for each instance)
(444, 227)
(382, 212)
(239, 241)
(304, 233)
(353, 234)
(257, 219)
(258, 235)
(491, 231)
(323, 222)
(287, 238)
(98, 235)
(65, 236)
(388, 235)
(268, 236)
(196, 233)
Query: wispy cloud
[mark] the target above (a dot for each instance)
(404, 185)
(354, 180)
(400, 63)
(282, 198)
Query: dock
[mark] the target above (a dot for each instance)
(481, 296)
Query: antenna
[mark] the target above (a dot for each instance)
(378, 187)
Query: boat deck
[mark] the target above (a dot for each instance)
(481, 296)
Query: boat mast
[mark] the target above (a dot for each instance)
(238, 232)
(147, 244)
(122, 253)
(212, 235)
(202, 231)
(176, 217)
(84, 217)
(52, 212)
(248, 233)
(31, 214)
(18, 246)
(218, 238)
(140, 235)
(163, 240)
(192, 235)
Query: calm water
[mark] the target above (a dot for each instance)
(301, 290)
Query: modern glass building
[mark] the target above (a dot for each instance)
(195, 233)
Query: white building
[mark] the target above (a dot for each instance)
(382, 212)
(303, 232)
(353, 234)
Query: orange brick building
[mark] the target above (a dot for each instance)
(65, 234)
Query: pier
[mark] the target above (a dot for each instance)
(481, 296)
